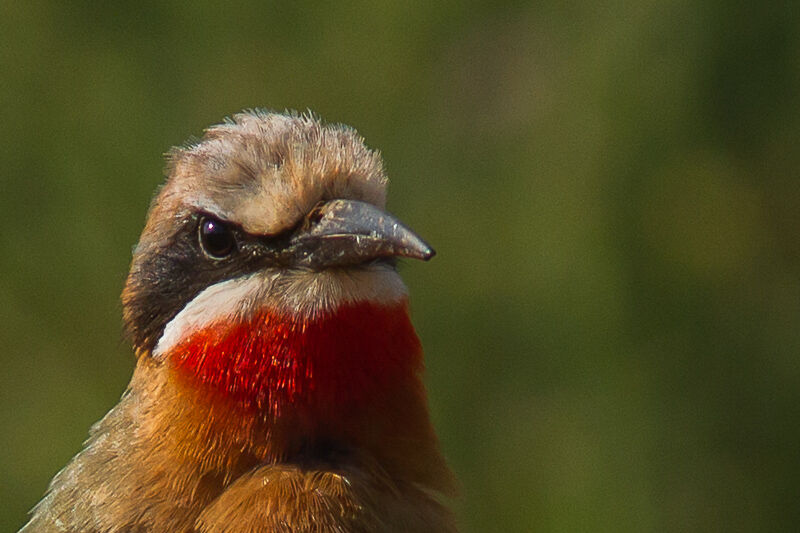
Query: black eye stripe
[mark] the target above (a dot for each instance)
(168, 276)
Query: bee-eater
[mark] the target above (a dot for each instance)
(278, 381)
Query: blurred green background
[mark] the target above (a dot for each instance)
(612, 325)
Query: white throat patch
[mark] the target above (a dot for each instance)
(301, 292)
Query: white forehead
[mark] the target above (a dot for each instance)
(265, 171)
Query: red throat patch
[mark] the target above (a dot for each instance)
(327, 363)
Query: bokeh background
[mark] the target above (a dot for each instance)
(612, 325)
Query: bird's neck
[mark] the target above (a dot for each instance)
(278, 384)
(277, 364)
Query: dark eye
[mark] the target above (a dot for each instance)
(216, 238)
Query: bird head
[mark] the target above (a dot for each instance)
(266, 269)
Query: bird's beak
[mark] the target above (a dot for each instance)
(349, 232)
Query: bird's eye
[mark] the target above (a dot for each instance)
(216, 238)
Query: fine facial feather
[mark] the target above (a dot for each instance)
(261, 171)
(266, 171)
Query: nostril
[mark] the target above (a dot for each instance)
(314, 216)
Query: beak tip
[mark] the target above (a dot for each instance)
(416, 248)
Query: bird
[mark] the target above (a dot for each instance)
(278, 383)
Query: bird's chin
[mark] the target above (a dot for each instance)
(300, 292)
(314, 291)
(373, 263)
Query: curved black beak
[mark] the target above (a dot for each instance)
(349, 232)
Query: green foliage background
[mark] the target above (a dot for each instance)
(612, 325)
